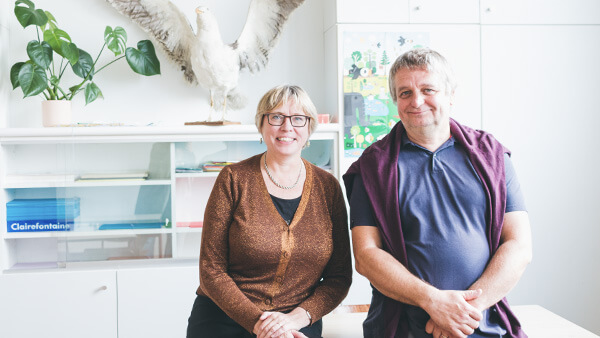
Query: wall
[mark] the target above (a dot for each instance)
(4, 66)
(166, 99)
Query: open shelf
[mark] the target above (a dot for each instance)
(62, 155)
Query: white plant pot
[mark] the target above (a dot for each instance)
(56, 113)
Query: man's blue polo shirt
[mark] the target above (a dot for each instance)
(442, 211)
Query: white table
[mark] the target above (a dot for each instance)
(541, 323)
(536, 321)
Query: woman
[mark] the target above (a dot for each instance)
(275, 253)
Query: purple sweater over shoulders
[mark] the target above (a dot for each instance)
(378, 169)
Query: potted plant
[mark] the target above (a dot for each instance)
(53, 52)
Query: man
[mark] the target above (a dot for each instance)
(438, 220)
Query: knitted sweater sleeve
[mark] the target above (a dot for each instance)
(215, 282)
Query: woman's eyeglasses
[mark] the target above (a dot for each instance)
(278, 119)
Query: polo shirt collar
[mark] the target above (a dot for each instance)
(406, 142)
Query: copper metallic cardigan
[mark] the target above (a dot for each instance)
(251, 261)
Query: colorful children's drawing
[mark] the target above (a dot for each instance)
(369, 112)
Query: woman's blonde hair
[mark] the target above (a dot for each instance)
(281, 95)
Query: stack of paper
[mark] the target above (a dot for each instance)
(188, 170)
(216, 166)
(131, 226)
(135, 176)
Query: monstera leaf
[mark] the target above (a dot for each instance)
(32, 79)
(28, 16)
(116, 40)
(143, 60)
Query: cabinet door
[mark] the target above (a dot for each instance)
(444, 11)
(58, 305)
(540, 99)
(373, 11)
(118, 195)
(540, 12)
(156, 302)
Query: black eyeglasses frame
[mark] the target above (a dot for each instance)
(306, 119)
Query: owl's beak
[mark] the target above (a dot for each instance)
(198, 10)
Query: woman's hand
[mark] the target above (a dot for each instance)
(277, 324)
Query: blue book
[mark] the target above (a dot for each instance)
(120, 226)
(40, 225)
(42, 209)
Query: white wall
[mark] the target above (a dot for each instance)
(167, 99)
(540, 89)
(4, 66)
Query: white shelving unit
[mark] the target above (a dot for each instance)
(46, 163)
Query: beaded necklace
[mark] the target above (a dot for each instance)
(277, 183)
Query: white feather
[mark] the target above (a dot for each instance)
(203, 56)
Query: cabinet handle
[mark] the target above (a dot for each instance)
(418, 8)
(103, 288)
(488, 10)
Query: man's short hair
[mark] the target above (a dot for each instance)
(422, 59)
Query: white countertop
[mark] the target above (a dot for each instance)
(536, 321)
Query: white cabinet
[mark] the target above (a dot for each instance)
(400, 11)
(543, 12)
(91, 282)
(540, 88)
(36, 167)
(122, 301)
(125, 218)
(58, 304)
(358, 11)
(444, 11)
(156, 302)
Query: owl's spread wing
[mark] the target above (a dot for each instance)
(261, 32)
(167, 25)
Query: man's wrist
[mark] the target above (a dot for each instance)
(427, 298)
(478, 303)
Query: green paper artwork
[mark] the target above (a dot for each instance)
(369, 112)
